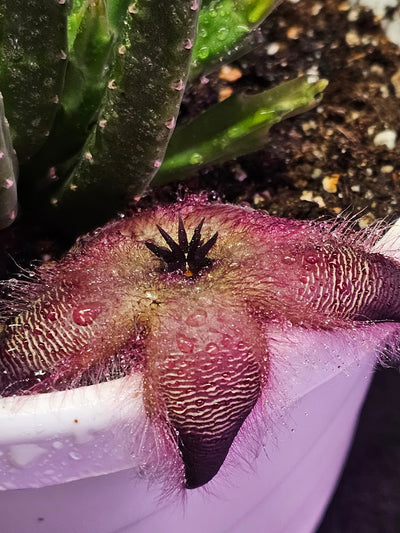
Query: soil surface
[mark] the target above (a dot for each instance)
(328, 161)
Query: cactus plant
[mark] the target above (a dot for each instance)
(92, 94)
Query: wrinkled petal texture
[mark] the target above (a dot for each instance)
(204, 344)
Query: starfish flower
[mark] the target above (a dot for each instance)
(200, 320)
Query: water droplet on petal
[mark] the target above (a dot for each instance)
(84, 315)
(227, 341)
(312, 259)
(212, 347)
(24, 454)
(197, 319)
(242, 347)
(185, 344)
(288, 259)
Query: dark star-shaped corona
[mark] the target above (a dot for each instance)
(184, 256)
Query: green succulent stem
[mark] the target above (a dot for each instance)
(234, 127)
(33, 46)
(145, 85)
(84, 87)
(78, 10)
(116, 10)
(224, 26)
(8, 173)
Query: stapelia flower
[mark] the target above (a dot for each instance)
(195, 297)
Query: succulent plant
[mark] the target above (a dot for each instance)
(191, 296)
(92, 90)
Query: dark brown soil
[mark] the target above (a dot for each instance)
(324, 161)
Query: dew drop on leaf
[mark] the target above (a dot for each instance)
(195, 159)
(222, 34)
(204, 52)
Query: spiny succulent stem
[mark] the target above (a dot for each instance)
(224, 30)
(8, 173)
(33, 45)
(234, 127)
(125, 147)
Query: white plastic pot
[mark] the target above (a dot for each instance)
(68, 462)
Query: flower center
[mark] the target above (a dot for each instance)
(184, 256)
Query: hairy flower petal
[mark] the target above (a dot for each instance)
(203, 343)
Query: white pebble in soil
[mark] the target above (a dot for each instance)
(379, 7)
(386, 137)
